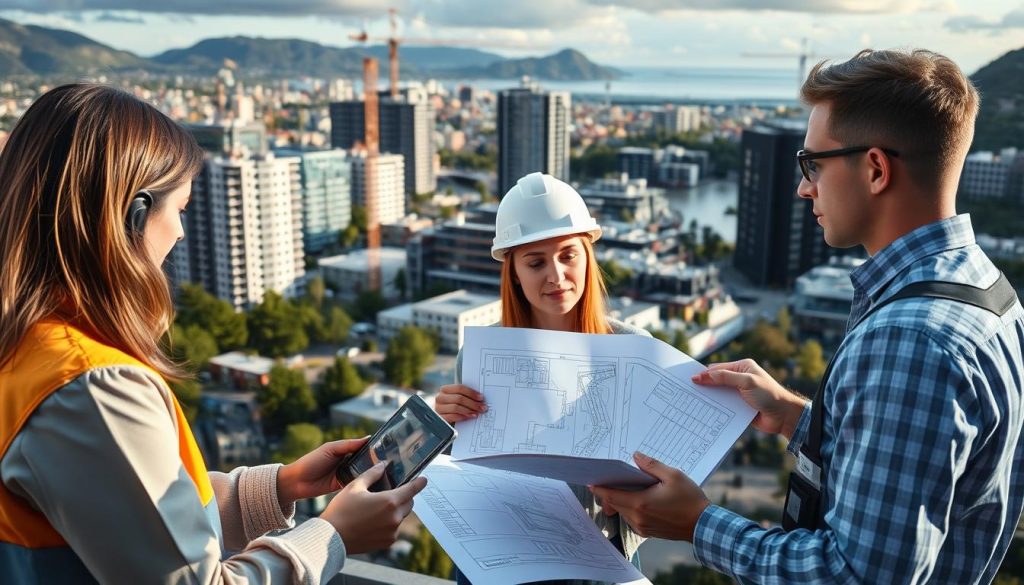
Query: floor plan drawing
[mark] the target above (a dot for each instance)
(501, 527)
(593, 396)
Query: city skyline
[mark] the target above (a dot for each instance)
(632, 33)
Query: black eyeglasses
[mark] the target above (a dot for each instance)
(810, 169)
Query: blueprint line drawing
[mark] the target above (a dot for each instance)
(596, 397)
(495, 524)
(680, 425)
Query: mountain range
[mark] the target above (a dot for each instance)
(1001, 119)
(30, 49)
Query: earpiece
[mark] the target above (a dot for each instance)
(138, 209)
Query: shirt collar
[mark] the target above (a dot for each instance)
(879, 270)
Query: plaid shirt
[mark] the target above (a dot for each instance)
(922, 438)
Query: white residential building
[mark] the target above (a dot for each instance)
(244, 229)
(376, 404)
(448, 314)
(349, 274)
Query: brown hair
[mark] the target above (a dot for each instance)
(69, 171)
(591, 316)
(918, 103)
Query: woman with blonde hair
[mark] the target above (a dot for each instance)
(100, 476)
(550, 279)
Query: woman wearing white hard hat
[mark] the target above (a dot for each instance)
(550, 279)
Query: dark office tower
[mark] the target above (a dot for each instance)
(533, 134)
(777, 235)
(406, 128)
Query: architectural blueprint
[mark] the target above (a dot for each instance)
(500, 527)
(596, 398)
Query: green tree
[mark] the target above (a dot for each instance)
(785, 322)
(427, 557)
(359, 218)
(409, 353)
(368, 304)
(341, 382)
(616, 276)
(348, 236)
(218, 317)
(313, 321)
(316, 290)
(767, 344)
(662, 336)
(485, 193)
(810, 362)
(336, 325)
(681, 341)
(350, 432)
(400, 283)
(193, 345)
(286, 400)
(277, 327)
(299, 439)
(187, 392)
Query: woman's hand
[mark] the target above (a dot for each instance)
(457, 402)
(366, 520)
(313, 474)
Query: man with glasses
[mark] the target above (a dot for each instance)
(909, 464)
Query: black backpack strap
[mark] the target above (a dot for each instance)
(807, 486)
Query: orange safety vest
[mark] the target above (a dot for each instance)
(50, 356)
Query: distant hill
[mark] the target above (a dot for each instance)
(1001, 119)
(259, 56)
(568, 64)
(45, 51)
(437, 58)
(28, 49)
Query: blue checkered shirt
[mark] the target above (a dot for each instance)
(922, 439)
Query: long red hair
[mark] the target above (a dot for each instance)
(591, 315)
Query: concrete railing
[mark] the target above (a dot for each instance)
(358, 572)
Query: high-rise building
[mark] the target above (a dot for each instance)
(777, 236)
(390, 185)
(244, 229)
(533, 134)
(454, 255)
(326, 195)
(406, 128)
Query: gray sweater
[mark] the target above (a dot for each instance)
(610, 526)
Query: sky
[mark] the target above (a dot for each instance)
(622, 33)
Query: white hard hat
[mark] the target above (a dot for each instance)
(539, 207)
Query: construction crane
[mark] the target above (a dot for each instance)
(393, 40)
(802, 56)
(371, 141)
(372, 144)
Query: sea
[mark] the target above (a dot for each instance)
(706, 85)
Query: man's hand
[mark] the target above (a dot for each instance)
(668, 509)
(778, 409)
(313, 474)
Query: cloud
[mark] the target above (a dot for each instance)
(809, 6)
(206, 7)
(971, 23)
(107, 16)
